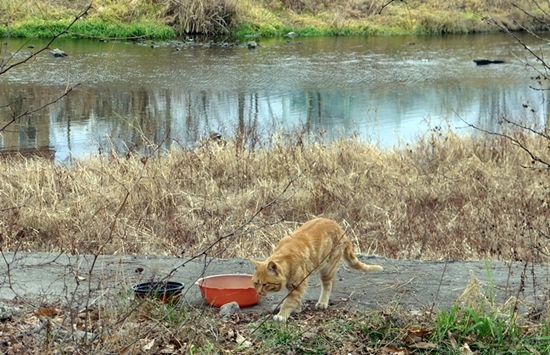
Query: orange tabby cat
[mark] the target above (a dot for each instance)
(317, 245)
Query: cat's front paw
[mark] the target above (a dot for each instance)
(279, 318)
(321, 305)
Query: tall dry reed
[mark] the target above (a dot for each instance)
(443, 197)
(208, 17)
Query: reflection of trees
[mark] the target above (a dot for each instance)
(240, 125)
(491, 108)
(135, 116)
(496, 103)
(314, 109)
(350, 110)
(29, 131)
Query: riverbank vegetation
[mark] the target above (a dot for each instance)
(445, 197)
(162, 19)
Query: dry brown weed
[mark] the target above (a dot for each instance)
(444, 197)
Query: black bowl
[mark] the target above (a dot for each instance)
(165, 291)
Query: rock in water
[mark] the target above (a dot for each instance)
(487, 61)
(58, 53)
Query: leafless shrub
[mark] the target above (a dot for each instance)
(208, 17)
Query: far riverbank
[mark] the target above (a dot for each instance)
(240, 19)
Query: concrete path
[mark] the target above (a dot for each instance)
(44, 278)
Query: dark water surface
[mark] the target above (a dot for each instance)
(386, 89)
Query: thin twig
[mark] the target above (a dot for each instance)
(534, 157)
(387, 4)
(205, 251)
(50, 42)
(439, 286)
(204, 254)
(36, 330)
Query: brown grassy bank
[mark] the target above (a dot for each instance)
(120, 18)
(393, 17)
(445, 197)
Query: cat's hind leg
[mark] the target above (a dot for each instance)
(327, 280)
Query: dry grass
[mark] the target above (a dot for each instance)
(219, 17)
(208, 17)
(431, 16)
(445, 197)
(154, 328)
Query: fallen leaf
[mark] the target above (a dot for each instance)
(309, 334)
(149, 345)
(47, 312)
(452, 338)
(168, 349)
(415, 334)
(465, 350)
(242, 341)
(392, 350)
(423, 345)
(58, 320)
(93, 316)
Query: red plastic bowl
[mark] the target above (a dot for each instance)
(218, 290)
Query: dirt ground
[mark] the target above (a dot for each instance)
(43, 278)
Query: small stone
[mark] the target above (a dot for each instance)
(228, 309)
(58, 53)
(7, 312)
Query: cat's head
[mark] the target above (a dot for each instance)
(268, 277)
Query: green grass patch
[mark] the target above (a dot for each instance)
(247, 29)
(488, 333)
(395, 330)
(95, 28)
(365, 29)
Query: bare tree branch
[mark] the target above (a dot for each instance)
(68, 90)
(205, 251)
(387, 4)
(526, 128)
(4, 69)
(537, 19)
(534, 157)
(542, 69)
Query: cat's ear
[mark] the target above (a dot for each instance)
(256, 263)
(273, 268)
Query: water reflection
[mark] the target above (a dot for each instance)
(381, 88)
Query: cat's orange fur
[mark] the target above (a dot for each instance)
(318, 245)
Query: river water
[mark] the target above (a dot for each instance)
(389, 90)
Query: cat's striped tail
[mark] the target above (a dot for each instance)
(354, 263)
